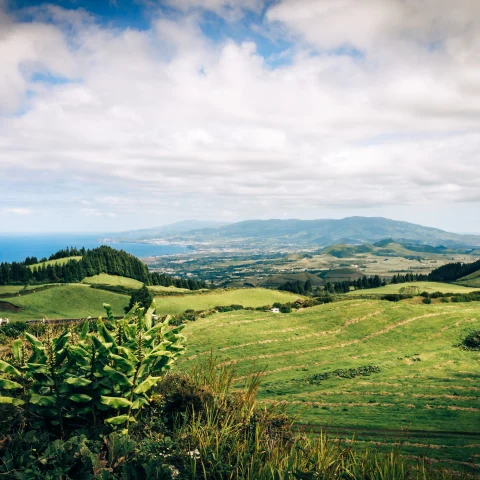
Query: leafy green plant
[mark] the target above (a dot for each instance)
(103, 376)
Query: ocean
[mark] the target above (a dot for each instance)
(15, 247)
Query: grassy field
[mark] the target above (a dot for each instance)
(58, 261)
(115, 280)
(158, 289)
(5, 289)
(66, 301)
(472, 280)
(249, 297)
(426, 393)
(429, 287)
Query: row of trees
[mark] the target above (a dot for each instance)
(93, 262)
(453, 271)
(409, 277)
(297, 286)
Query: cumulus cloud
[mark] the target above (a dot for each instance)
(379, 105)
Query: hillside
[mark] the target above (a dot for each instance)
(58, 261)
(472, 280)
(429, 287)
(113, 280)
(350, 230)
(248, 297)
(425, 392)
(63, 301)
(277, 280)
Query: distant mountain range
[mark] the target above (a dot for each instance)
(303, 233)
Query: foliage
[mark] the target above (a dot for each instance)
(453, 271)
(104, 376)
(93, 262)
(344, 373)
(142, 297)
(471, 341)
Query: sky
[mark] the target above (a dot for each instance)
(126, 114)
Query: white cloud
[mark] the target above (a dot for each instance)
(17, 211)
(166, 116)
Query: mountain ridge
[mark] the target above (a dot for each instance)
(303, 233)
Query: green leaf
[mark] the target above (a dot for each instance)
(80, 397)
(77, 381)
(43, 379)
(139, 403)
(119, 420)
(122, 363)
(34, 341)
(104, 334)
(8, 369)
(115, 402)
(17, 350)
(85, 330)
(61, 341)
(117, 377)
(11, 401)
(9, 385)
(147, 384)
(42, 401)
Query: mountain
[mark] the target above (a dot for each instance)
(170, 229)
(351, 230)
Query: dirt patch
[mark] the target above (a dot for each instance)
(9, 307)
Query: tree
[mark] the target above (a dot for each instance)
(141, 296)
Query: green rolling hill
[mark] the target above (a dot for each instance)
(425, 393)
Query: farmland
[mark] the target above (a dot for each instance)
(248, 297)
(428, 287)
(58, 261)
(114, 280)
(64, 301)
(425, 392)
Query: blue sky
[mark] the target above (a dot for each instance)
(130, 114)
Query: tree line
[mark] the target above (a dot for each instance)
(453, 271)
(93, 262)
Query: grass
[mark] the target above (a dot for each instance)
(58, 261)
(472, 280)
(249, 297)
(429, 287)
(159, 289)
(13, 289)
(115, 280)
(66, 301)
(431, 404)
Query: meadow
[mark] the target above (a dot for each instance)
(58, 261)
(425, 393)
(428, 287)
(248, 297)
(64, 301)
(114, 280)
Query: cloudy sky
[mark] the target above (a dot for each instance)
(124, 114)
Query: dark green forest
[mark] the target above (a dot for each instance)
(93, 262)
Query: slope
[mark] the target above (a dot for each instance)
(64, 301)
(424, 385)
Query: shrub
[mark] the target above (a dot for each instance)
(427, 301)
(471, 341)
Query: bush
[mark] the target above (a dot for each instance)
(427, 301)
(471, 341)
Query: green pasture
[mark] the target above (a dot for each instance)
(248, 297)
(429, 287)
(426, 394)
(472, 280)
(114, 280)
(64, 301)
(58, 261)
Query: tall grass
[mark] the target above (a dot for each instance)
(230, 437)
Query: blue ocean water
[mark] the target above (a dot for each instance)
(15, 248)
